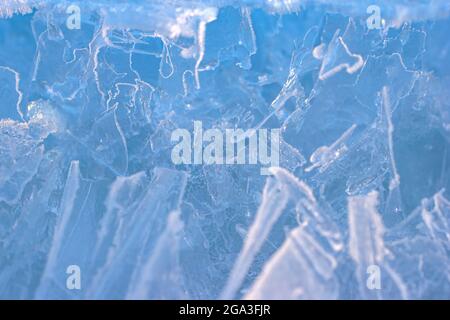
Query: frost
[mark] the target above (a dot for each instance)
(160, 275)
(10, 7)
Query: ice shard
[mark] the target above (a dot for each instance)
(300, 243)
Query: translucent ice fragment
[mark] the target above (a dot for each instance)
(394, 203)
(367, 248)
(381, 71)
(30, 226)
(133, 229)
(11, 96)
(273, 202)
(366, 230)
(66, 214)
(420, 244)
(277, 192)
(300, 269)
(291, 88)
(160, 276)
(325, 155)
(107, 142)
(395, 181)
(436, 216)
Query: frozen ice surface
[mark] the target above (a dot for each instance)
(358, 208)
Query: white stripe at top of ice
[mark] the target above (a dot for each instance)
(397, 11)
